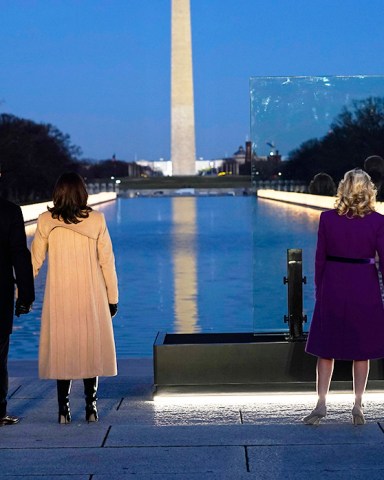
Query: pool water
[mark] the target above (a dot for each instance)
(195, 264)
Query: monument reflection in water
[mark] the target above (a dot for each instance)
(184, 264)
(195, 264)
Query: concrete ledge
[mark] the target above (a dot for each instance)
(31, 212)
(306, 199)
(242, 362)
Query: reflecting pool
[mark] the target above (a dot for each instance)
(194, 264)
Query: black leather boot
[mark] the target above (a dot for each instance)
(90, 391)
(63, 391)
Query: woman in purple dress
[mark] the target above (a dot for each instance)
(348, 320)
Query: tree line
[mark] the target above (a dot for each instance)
(355, 134)
(33, 155)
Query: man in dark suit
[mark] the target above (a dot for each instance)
(15, 268)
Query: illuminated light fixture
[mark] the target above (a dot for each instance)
(278, 398)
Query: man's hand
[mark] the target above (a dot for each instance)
(22, 308)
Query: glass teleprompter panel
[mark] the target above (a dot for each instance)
(286, 112)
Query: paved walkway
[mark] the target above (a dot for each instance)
(240, 438)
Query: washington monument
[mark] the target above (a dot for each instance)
(183, 154)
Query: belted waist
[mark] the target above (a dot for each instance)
(332, 258)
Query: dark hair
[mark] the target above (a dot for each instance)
(374, 166)
(322, 184)
(374, 163)
(70, 199)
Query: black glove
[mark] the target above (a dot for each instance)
(21, 308)
(113, 309)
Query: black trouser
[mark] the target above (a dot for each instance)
(4, 348)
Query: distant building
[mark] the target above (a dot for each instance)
(267, 167)
(239, 155)
(165, 166)
(237, 164)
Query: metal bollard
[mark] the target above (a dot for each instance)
(295, 280)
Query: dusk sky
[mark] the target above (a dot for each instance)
(99, 70)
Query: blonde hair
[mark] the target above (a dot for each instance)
(356, 194)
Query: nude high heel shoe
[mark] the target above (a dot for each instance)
(358, 415)
(315, 416)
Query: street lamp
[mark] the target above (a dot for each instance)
(273, 151)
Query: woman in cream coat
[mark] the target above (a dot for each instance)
(81, 295)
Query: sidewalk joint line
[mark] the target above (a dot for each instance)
(241, 417)
(381, 428)
(106, 436)
(246, 458)
(119, 405)
(13, 393)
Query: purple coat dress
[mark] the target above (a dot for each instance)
(348, 320)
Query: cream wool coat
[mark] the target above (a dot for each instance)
(76, 338)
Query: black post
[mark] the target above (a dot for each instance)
(254, 175)
(295, 280)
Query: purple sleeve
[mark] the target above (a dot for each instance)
(380, 248)
(320, 255)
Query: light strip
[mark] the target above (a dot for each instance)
(306, 199)
(281, 398)
(31, 212)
